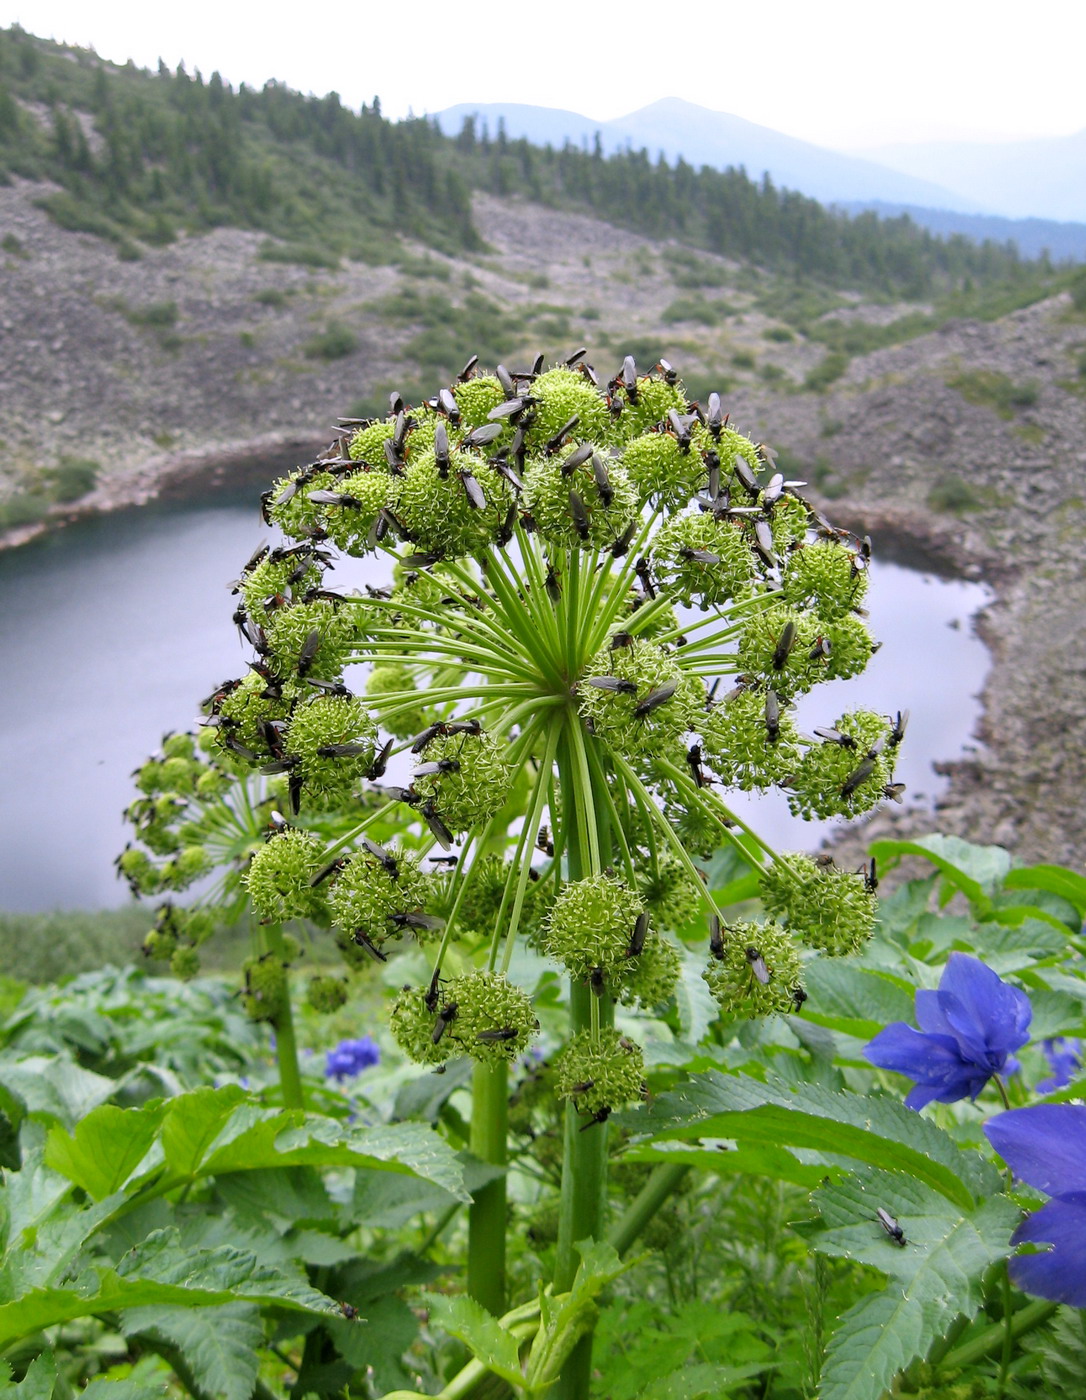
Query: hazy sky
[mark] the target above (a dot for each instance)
(847, 73)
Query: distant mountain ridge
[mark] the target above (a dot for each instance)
(702, 137)
(1024, 190)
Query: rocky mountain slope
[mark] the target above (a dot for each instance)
(203, 363)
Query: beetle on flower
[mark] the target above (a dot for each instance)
(969, 1029)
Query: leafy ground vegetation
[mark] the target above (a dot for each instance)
(543, 1074)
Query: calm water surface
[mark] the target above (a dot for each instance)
(112, 630)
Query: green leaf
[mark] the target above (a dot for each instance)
(148, 1381)
(566, 1318)
(703, 1382)
(105, 1149)
(54, 1087)
(771, 1161)
(975, 870)
(936, 1274)
(1056, 879)
(697, 1009)
(219, 1345)
(875, 1130)
(38, 1383)
(852, 999)
(193, 1121)
(491, 1345)
(378, 1340)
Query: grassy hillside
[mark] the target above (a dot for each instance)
(140, 156)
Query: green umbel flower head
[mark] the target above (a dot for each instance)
(824, 577)
(750, 740)
(846, 775)
(454, 509)
(638, 698)
(706, 561)
(422, 1025)
(326, 994)
(279, 875)
(601, 1073)
(331, 744)
(589, 505)
(372, 896)
(646, 404)
(494, 1019)
(651, 976)
(265, 988)
(591, 926)
(562, 394)
(829, 909)
(465, 776)
(392, 678)
(757, 971)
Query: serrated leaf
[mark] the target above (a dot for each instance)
(853, 1000)
(1056, 879)
(491, 1345)
(426, 1095)
(192, 1123)
(697, 1009)
(219, 1345)
(105, 1148)
(568, 1316)
(935, 1276)
(975, 870)
(37, 1384)
(875, 1130)
(151, 1386)
(771, 1161)
(378, 1340)
(54, 1087)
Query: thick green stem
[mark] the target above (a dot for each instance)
(487, 1215)
(584, 1160)
(649, 1199)
(286, 1047)
(989, 1341)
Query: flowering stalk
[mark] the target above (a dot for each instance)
(577, 570)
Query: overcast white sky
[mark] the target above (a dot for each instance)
(846, 73)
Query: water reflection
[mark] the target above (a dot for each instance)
(112, 631)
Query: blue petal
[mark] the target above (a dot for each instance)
(1044, 1145)
(1059, 1274)
(983, 1012)
(932, 1060)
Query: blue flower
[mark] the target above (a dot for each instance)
(1045, 1146)
(968, 1029)
(1064, 1056)
(351, 1057)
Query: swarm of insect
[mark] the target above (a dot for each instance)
(577, 566)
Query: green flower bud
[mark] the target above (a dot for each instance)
(845, 778)
(368, 492)
(602, 1074)
(179, 774)
(329, 722)
(473, 787)
(270, 581)
(290, 639)
(699, 831)
(822, 577)
(212, 783)
(149, 777)
(476, 397)
(562, 394)
(199, 925)
(139, 870)
(741, 746)
(488, 1008)
(390, 678)
(851, 647)
(160, 944)
(415, 1023)
(651, 977)
(669, 892)
(602, 515)
(726, 575)
(185, 964)
(789, 521)
(590, 926)
(619, 718)
(179, 746)
(244, 712)
(368, 892)
(764, 651)
(661, 470)
(279, 874)
(483, 897)
(266, 990)
(759, 973)
(440, 514)
(830, 909)
(651, 402)
(290, 507)
(187, 865)
(326, 994)
(368, 443)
